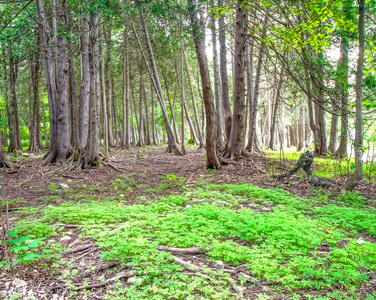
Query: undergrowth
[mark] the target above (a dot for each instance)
(282, 247)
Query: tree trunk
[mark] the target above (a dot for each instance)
(358, 143)
(182, 95)
(154, 133)
(104, 96)
(197, 120)
(172, 147)
(92, 152)
(107, 37)
(50, 83)
(85, 81)
(343, 95)
(217, 85)
(72, 87)
(14, 124)
(252, 145)
(275, 108)
(212, 157)
(140, 119)
(35, 132)
(126, 131)
(147, 127)
(236, 141)
(226, 107)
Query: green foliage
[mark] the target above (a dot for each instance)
(351, 199)
(21, 246)
(281, 246)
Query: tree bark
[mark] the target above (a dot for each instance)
(236, 141)
(85, 80)
(126, 131)
(226, 107)
(110, 121)
(104, 96)
(35, 130)
(358, 143)
(212, 157)
(14, 124)
(92, 148)
(74, 112)
(217, 85)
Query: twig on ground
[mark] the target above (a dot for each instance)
(191, 250)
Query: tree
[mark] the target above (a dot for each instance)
(212, 156)
(172, 147)
(358, 143)
(237, 134)
(226, 107)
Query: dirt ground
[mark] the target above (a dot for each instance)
(30, 183)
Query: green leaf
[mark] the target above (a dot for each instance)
(13, 234)
(23, 239)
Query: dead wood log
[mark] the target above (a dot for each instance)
(191, 250)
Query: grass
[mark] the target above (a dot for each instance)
(282, 247)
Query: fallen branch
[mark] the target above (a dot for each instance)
(78, 249)
(191, 250)
(188, 266)
(118, 276)
(81, 256)
(67, 225)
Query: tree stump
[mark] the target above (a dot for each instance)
(305, 161)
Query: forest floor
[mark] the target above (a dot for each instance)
(254, 237)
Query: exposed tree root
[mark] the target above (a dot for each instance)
(5, 163)
(174, 149)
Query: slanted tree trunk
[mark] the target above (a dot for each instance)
(172, 147)
(226, 107)
(14, 124)
(277, 100)
(236, 141)
(172, 108)
(197, 120)
(354, 180)
(343, 95)
(186, 112)
(212, 156)
(252, 139)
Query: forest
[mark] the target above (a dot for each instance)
(188, 149)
